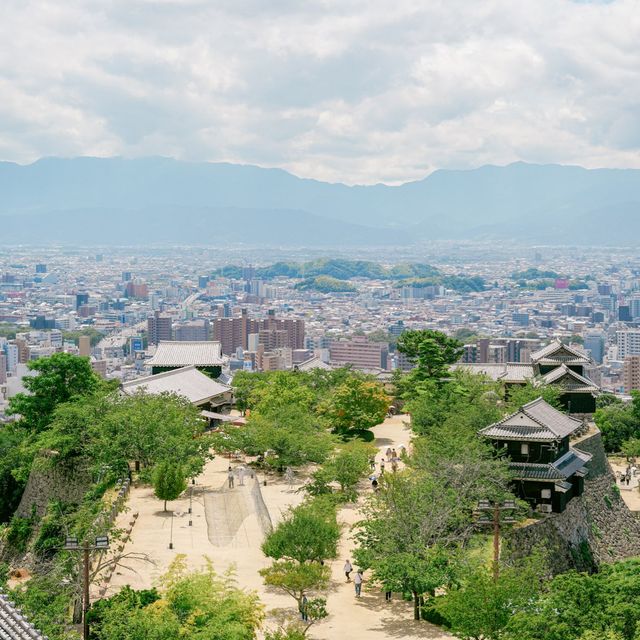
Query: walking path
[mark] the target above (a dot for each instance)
(228, 528)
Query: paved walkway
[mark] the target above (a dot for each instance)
(228, 527)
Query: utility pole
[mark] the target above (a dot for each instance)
(495, 521)
(71, 544)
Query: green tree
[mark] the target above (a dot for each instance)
(199, 606)
(482, 607)
(296, 580)
(412, 529)
(59, 378)
(292, 437)
(618, 423)
(349, 464)
(150, 428)
(432, 352)
(168, 481)
(356, 405)
(519, 395)
(574, 605)
(308, 533)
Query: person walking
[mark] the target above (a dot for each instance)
(382, 467)
(394, 455)
(374, 483)
(230, 477)
(388, 454)
(372, 463)
(394, 465)
(387, 595)
(357, 582)
(347, 569)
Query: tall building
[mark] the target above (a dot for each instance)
(3, 368)
(159, 327)
(628, 341)
(194, 331)
(594, 343)
(41, 268)
(631, 374)
(11, 354)
(81, 299)
(234, 332)
(360, 353)
(84, 346)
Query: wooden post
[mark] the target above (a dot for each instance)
(85, 598)
(496, 541)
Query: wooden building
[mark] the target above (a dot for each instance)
(548, 471)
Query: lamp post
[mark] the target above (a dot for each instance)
(171, 533)
(190, 506)
(495, 520)
(71, 543)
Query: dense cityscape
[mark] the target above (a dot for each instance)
(117, 305)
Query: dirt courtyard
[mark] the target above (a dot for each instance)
(228, 526)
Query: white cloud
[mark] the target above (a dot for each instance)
(349, 90)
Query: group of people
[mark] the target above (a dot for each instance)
(630, 472)
(231, 475)
(357, 579)
(392, 457)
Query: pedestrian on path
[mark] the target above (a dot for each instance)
(347, 569)
(388, 453)
(230, 477)
(241, 476)
(387, 596)
(372, 463)
(382, 467)
(394, 455)
(357, 582)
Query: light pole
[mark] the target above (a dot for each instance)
(496, 520)
(171, 533)
(71, 544)
(190, 506)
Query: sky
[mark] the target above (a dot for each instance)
(355, 91)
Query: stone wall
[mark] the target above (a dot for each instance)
(596, 527)
(50, 481)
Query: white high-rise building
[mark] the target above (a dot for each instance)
(628, 341)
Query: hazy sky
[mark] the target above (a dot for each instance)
(343, 90)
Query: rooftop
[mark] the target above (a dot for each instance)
(536, 420)
(194, 385)
(557, 352)
(180, 354)
(13, 625)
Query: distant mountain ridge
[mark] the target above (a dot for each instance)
(166, 200)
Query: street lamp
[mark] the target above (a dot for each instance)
(495, 520)
(71, 543)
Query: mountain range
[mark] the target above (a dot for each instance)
(162, 200)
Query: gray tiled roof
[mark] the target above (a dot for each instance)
(187, 381)
(509, 372)
(181, 354)
(557, 352)
(536, 420)
(13, 625)
(573, 381)
(561, 469)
